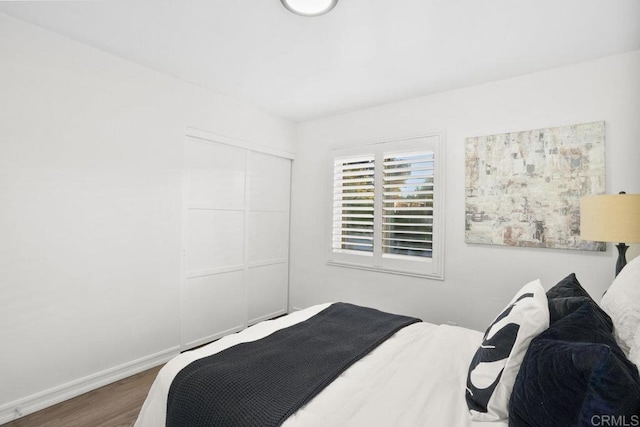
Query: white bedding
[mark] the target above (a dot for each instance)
(415, 378)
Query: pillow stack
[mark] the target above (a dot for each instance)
(559, 359)
(575, 373)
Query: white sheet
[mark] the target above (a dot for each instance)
(415, 378)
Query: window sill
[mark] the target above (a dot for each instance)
(432, 276)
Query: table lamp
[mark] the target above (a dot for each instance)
(611, 218)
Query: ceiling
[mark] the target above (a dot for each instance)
(361, 54)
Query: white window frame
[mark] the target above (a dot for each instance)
(397, 264)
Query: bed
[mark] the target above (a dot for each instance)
(434, 375)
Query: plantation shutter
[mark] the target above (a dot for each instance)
(387, 207)
(407, 217)
(353, 204)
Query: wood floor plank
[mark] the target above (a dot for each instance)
(114, 405)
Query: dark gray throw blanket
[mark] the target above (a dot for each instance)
(263, 382)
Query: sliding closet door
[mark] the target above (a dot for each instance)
(213, 292)
(268, 254)
(236, 239)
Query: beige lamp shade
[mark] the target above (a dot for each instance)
(610, 218)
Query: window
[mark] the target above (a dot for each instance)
(386, 207)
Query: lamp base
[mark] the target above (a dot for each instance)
(622, 259)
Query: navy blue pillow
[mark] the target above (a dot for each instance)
(566, 297)
(574, 374)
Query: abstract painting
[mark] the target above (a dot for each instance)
(524, 188)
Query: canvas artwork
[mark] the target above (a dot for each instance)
(524, 188)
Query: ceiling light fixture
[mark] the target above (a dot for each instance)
(309, 7)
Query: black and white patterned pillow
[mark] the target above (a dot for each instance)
(494, 367)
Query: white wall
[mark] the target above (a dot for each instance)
(479, 280)
(91, 151)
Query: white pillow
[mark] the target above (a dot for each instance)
(634, 351)
(494, 367)
(622, 304)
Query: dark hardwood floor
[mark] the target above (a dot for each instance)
(114, 405)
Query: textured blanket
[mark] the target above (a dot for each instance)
(261, 383)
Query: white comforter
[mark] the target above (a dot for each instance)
(415, 378)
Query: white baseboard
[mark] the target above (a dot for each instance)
(27, 405)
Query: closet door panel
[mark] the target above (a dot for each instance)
(214, 300)
(216, 175)
(267, 295)
(215, 240)
(270, 179)
(268, 236)
(213, 306)
(268, 239)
